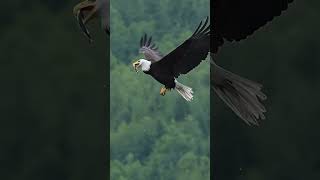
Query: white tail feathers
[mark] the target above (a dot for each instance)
(185, 91)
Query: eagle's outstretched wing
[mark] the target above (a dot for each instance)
(149, 49)
(188, 55)
(234, 20)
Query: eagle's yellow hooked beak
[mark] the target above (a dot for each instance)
(78, 11)
(85, 6)
(136, 65)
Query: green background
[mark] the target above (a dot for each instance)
(52, 111)
(283, 56)
(52, 121)
(155, 137)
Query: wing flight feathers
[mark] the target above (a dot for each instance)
(189, 54)
(149, 49)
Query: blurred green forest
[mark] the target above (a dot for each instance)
(284, 56)
(155, 137)
(53, 121)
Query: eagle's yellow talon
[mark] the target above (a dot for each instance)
(163, 91)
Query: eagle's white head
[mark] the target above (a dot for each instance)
(142, 64)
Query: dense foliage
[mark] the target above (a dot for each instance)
(155, 137)
(51, 124)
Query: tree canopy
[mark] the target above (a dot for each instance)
(155, 137)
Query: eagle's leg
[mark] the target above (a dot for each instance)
(163, 91)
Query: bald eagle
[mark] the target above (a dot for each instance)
(235, 20)
(165, 69)
(87, 10)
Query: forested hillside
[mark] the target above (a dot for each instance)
(155, 137)
(52, 100)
